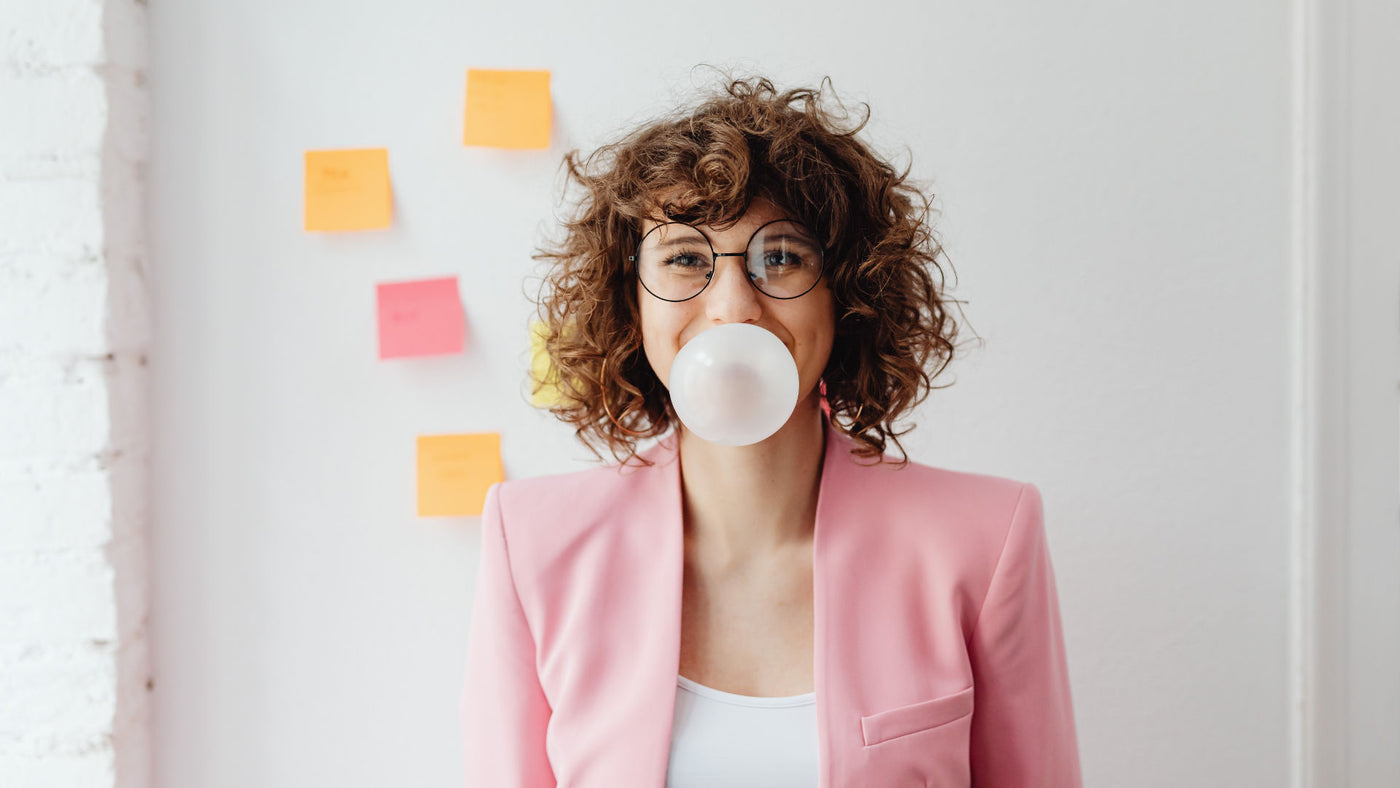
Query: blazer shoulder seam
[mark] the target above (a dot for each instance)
(1001, 556)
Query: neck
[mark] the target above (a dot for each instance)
(747, 503)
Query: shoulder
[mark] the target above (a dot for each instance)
(571, 491)
(568, 530)
(937, 487)
(547, 506)
(958, 519)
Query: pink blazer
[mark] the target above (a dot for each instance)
(939, 657)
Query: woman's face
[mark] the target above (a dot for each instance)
(806, 324)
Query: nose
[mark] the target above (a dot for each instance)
(730, 297)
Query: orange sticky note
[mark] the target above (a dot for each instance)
(542, 370)
(348, 189)
(454, 472)
(507, 109)
(420, 318)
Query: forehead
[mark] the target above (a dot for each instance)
(760, 211)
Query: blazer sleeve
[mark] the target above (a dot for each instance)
(1023, 729)
(503, 709)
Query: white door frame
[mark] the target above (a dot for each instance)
(1345, 623)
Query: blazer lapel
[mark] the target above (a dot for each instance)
(835, 551)
(656, 520)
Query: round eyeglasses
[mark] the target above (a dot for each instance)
(675, 261)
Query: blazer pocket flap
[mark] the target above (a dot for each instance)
(915, 717)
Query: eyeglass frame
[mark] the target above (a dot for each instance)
(714, 260)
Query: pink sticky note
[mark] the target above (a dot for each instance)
(421, 318)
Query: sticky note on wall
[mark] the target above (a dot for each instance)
(347, 190)
(454, 472)
(420, 318)
(542, 369)
(507, 109)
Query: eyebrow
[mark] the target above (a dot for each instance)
(677, 242)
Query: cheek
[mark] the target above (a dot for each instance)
(821, 324)
(817, 359)
(658, 340)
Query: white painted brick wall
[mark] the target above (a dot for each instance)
(74, 460)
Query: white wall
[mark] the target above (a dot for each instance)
(74, 437)
(1115, 180)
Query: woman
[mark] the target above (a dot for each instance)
(798, 611)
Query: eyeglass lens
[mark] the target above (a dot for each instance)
(675, 261)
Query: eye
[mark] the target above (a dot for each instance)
(779, 258)
(685, 260)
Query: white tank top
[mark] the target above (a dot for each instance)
(741, 741)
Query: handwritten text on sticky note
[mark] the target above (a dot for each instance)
(420, 318)
(347, 190)
(507, 109)
(454, 472)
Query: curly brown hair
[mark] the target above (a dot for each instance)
(705, 165)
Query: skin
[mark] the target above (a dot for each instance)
(749, 511)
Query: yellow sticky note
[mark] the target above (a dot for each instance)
(507, 109)
(542, 370)
(348, 189)
(454, 472)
